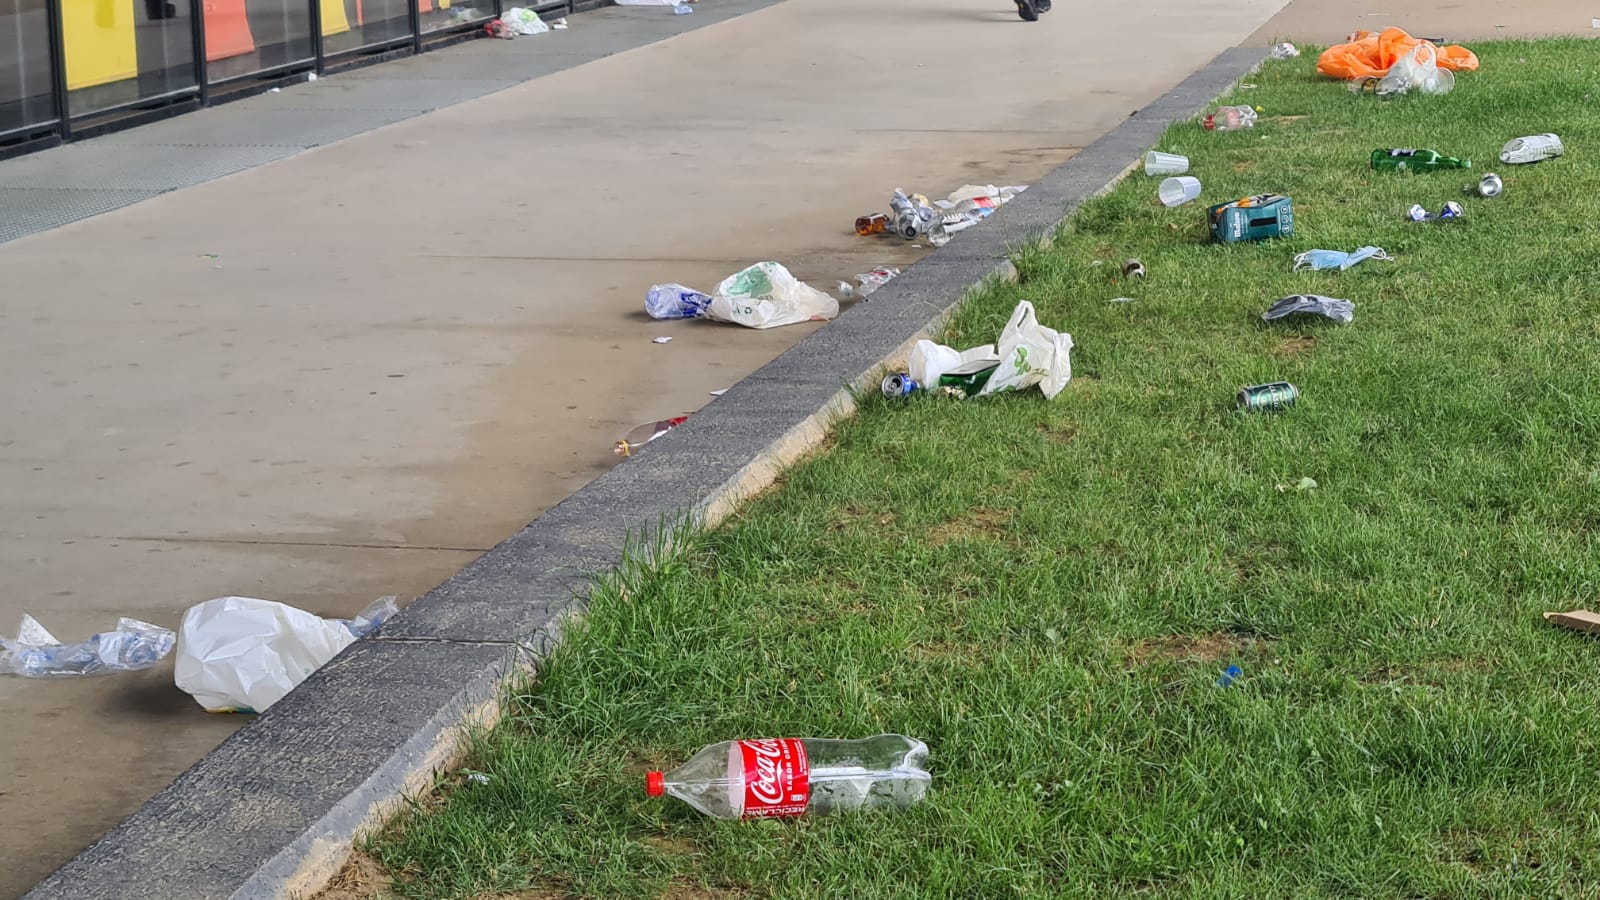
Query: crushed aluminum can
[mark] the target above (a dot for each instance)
(1133, 269)
(1417, 213)
(1275, 397)
(1453, 210)
(899, 386)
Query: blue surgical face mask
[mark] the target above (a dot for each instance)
(1336, 259)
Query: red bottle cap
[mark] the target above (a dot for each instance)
(655, 784)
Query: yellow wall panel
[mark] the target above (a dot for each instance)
(99, 41)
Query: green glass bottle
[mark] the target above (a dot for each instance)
(966, 384)
(1416, 161)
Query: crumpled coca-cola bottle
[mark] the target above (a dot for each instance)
(792, 777)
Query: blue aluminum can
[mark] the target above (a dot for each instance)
(899, 386)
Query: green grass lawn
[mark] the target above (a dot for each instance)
(1047, 592)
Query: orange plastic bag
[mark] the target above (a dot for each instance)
(1371, 55)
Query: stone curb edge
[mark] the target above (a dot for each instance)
(275, 809)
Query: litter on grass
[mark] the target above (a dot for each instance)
(1369, 55)
(1337, 259)
(240, 654)
(1311, 305)
(1254, 218)
(35, 652)
(1531, 149)
(1578, 620)
(1027, 354)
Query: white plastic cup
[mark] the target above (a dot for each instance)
(1158, 163)
(1178, 191)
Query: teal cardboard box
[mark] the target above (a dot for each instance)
(1252, 218)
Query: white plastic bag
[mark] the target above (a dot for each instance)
(1417, 70)
(1031, 354)
(239, 654)
(928, 361)
(766, 296)
(524, 21)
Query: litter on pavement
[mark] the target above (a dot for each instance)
(869, 282)
(35, 652)
(646, 433)
(240, 654)
(766, 295)
(912, 216)
(674, 301)
(523, 21)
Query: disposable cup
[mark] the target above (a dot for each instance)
(1158, 163)
(1178, 191)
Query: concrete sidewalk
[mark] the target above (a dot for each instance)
(1325, 22)
(349, 372)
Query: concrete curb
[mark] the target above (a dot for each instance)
(274, 810)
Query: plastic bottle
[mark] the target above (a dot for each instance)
(910, 218)
(674, 301)
(869, 281)
(792, 777)
(1416, 161)
(1531, 149)
(1230, 118)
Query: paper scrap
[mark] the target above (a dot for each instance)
(661, 340)
(1577, 620)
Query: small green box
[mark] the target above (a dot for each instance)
(1252, 218)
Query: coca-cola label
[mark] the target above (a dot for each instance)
(777, 778)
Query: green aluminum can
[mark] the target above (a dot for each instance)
(1275, 397)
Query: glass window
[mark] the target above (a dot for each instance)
(245, 36)
(122, 51)
(438, 14)
(26, 94)
(366, 22)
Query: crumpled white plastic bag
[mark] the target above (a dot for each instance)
(766, 295)
(928, 361)
(240, 654)
(524, 21)
(1031, 354)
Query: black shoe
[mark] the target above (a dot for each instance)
(1042, 5)
(1028, 10)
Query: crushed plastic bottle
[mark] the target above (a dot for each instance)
(1230, 118)
(869, 282)
(35, 652)
(674, 301)
(793, 777)
(1531, 149)
(911, 219)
